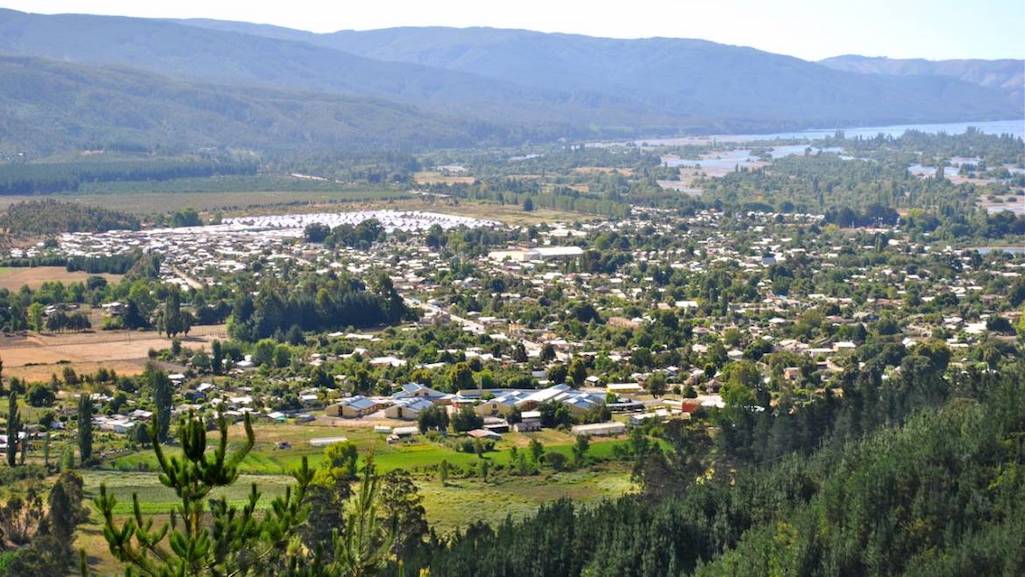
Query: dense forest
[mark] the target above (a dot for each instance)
(940, 495)
(43, 217)
(315, 303)
(48, 177)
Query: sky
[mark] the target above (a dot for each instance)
(809, 29)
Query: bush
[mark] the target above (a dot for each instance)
(40, 396)
(556, 461)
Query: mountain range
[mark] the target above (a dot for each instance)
(188, 83)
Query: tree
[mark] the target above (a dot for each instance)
(554, 414)
(366, 543)
(656, 384)
(580, 448)
(282, 356)
(528, 205)
(443, 472)
(85, 427)
(161, 389)
(13, 429)
(403, 511)
(216, 357)
(537, 451)
(558, 373)
(433, 418)
(466, 419)
(316, 232)
(173, 322)
(40, 395)
(66, 510)
(331, 487)
(263, 352)
(460, 377)
(35, 316)
(578, 371)
(222, 540)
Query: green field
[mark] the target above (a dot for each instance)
(453, 505)
(418, 455)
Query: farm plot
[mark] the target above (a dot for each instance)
(14, 278)
(35, 356)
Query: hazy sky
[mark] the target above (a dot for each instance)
(809, 29)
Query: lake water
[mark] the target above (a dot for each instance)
(1012, 127)
(728, 160)
(1014, 250)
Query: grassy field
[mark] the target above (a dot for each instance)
(418, 456)
(464, 499)
(450, 506)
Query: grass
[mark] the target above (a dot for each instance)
(418, 455)
(455, 504)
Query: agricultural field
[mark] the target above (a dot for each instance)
(35, 356)
(13, 278)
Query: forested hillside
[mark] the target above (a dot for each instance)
(531, 85)
(941, 495)
(47, 106)
(51, 216)
(1007, 75)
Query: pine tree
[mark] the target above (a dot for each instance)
(217, 357)
(214, 539)
(160, 388)
(13, 429)
(85, 428)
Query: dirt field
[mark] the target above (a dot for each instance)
(14, 278)
(428, 177)
(36, 356)
(603, 170)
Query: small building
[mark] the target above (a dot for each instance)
(483, 434)
(327, 441)
(624, 388)
(530, 421)
(609, 429)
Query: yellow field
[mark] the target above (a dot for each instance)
(430, 177)
(36, 356)
(14, 278)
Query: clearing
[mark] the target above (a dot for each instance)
(35, 356)
(14, 278)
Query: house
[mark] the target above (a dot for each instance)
(353, 407)
(529, 421)
(408, 409)
(624, 388)
(503, 404)
(609, 429)
(495, 424)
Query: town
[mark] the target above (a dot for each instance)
(461, 328)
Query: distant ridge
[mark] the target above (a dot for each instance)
(431, 87)
(1006, 75)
